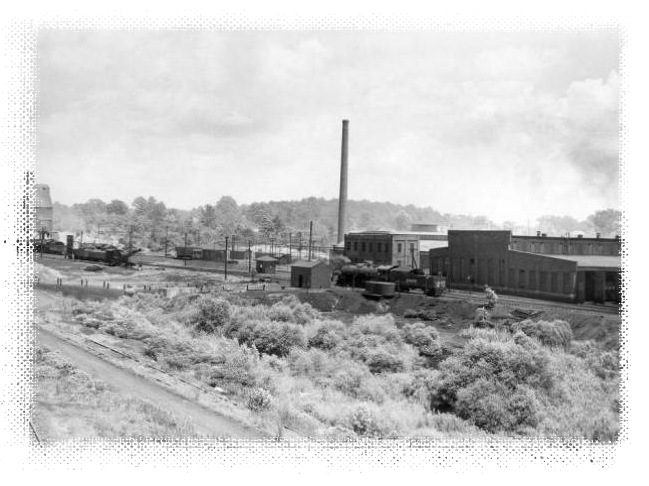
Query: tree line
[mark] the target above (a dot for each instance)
(147, 222)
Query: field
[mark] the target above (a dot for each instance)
(331, 364)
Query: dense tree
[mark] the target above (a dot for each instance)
(117, 207)
(606, 221)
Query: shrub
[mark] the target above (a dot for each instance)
(423, 338)
(290, 309)
(490, 355)
(327, 336)
(366, 423)
(549, 333)
(259, 400)
(481, 317)
(271, 337)
(211, 315)
(492, 298)
(383, 326)
(384, 359)
(491, 406)
(605, 364)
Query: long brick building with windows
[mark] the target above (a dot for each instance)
(567, 269)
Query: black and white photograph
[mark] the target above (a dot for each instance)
(261, 235)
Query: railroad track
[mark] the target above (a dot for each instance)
(529, 304)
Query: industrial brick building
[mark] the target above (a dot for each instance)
(404, 248)
(473, 259)
(310, 275)
(383, 248)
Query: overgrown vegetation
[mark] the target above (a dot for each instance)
(369, 377)
(98, 411)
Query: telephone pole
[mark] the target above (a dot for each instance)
(310, 238)
(166, 239)
(226, 257)
(249, 259)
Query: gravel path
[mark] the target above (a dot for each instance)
(206, 422)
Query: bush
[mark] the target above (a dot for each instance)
(384, 359)
(290, 309)
(211, 315)
(327, 336)
(605, 364)
(549, 333)
(271, 337)
(481, 318)
(259, 400)
(491, 356)
(423, 338)
(383, 326)
(492, 298)
(493, 407)
(366, 423)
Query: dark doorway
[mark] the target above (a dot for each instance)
(300, 281)
(589, 289)
(612, 289)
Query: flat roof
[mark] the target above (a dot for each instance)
(397, 233)
(266, 258)
(593, 261)
(307, 264)
(426, 245)
(571, 238)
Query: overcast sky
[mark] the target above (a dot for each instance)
(508, 125)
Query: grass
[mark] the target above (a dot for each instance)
(70, 404)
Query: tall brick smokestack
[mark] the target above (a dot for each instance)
(342, 199)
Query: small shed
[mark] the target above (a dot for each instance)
(284, 259)
(310, 275)
(266, 264)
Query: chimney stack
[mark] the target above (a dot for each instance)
(342, 199)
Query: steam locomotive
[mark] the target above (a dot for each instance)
(103, 253)
(405, 279)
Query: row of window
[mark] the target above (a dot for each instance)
(369, 247)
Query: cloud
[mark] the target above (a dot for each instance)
(531, 117)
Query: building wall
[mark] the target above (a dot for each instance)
(478, 258)
(318, 277)
(376, 247)
(383, 248)
(405, 251)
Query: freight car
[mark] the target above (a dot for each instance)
(404, 279)
(105, 254)
(49, 246)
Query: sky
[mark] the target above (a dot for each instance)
(510, 125)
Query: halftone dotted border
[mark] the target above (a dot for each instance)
(17, 352)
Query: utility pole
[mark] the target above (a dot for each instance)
(166, 239)
(310, 237)
(185, 256)
(272, 248)
(249, 258)
(42, 239)
(299, 247)
(290, 248)
(226, 258)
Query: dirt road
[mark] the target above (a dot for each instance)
(205, 422)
